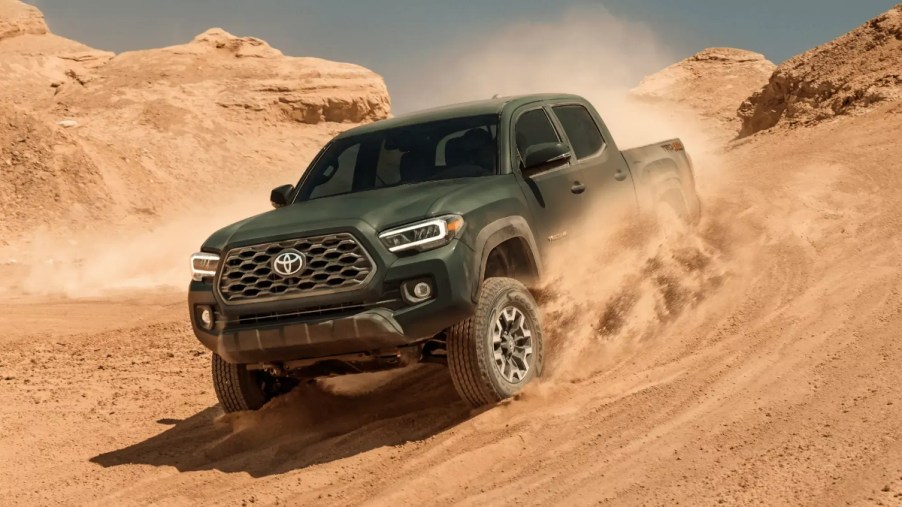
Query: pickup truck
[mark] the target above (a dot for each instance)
(418, 239)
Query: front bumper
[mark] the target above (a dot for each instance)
(372, 319)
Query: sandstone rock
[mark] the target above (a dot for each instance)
(240, 47)
(32, 58)
(712, 83)
(845, 76)
(214, 120)
(17, 19)
(41, 165)
(243, 75)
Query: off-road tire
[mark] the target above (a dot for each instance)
(237, 387)
(470, 349)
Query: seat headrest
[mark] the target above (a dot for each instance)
(476, 139)
(455, 152)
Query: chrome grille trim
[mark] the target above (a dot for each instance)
(334, 263)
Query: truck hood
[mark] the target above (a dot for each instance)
(378, 209)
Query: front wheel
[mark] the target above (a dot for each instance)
(238, 388)
(496, 352)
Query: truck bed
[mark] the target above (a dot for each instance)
(658, 169)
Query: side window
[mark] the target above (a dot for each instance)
(338, 178)
(581, 129)
(534, 127)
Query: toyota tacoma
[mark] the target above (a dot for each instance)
(418, 239)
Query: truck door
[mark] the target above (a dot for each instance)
(554, 195)
(609, 184)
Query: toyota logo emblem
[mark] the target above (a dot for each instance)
(288, 263)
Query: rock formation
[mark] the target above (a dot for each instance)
(711, 84)
(89, 138)
(17, 18)
(845, 76)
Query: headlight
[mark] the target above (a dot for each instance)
(424, 235)
(203, 265)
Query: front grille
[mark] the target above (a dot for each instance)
(334, 263)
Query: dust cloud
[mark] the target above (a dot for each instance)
(107, 261)
(588, 51)
(613, 286)
(616, 289)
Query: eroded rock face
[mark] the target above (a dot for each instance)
(34, 61)
(245, 77)
(849, 74)
(240, 47)
(92, 138)
(43, 173)
(17, 19)
(712, 83)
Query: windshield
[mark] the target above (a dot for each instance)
(441, 150)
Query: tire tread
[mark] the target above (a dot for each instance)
(466, 346)
(234, 387)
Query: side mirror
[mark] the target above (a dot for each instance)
(541, 156)
(280, 195)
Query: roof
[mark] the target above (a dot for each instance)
(475, 108)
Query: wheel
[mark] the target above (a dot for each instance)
(238, 388)
(498, 350)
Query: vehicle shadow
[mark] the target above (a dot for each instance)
(315, 423)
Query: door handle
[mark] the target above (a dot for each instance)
(620, 175)
(577, 188)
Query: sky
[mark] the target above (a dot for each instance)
(425, 48)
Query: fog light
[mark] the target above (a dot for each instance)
(416, 291)
(422, 290)
(206, 317)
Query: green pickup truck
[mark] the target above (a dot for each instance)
(417, 239)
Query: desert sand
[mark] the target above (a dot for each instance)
(753, 359)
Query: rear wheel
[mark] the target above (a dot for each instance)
(238, 388)
(496, 352)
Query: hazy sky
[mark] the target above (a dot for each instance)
(410, 42)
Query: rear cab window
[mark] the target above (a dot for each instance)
(581, 129)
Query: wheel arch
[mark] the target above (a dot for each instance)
(512, 237)
(670, 181)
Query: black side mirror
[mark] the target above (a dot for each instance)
(280, 195)
(544, 155)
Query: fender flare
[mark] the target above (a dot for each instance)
(659, 173)
(496, 233)
(662, 182)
